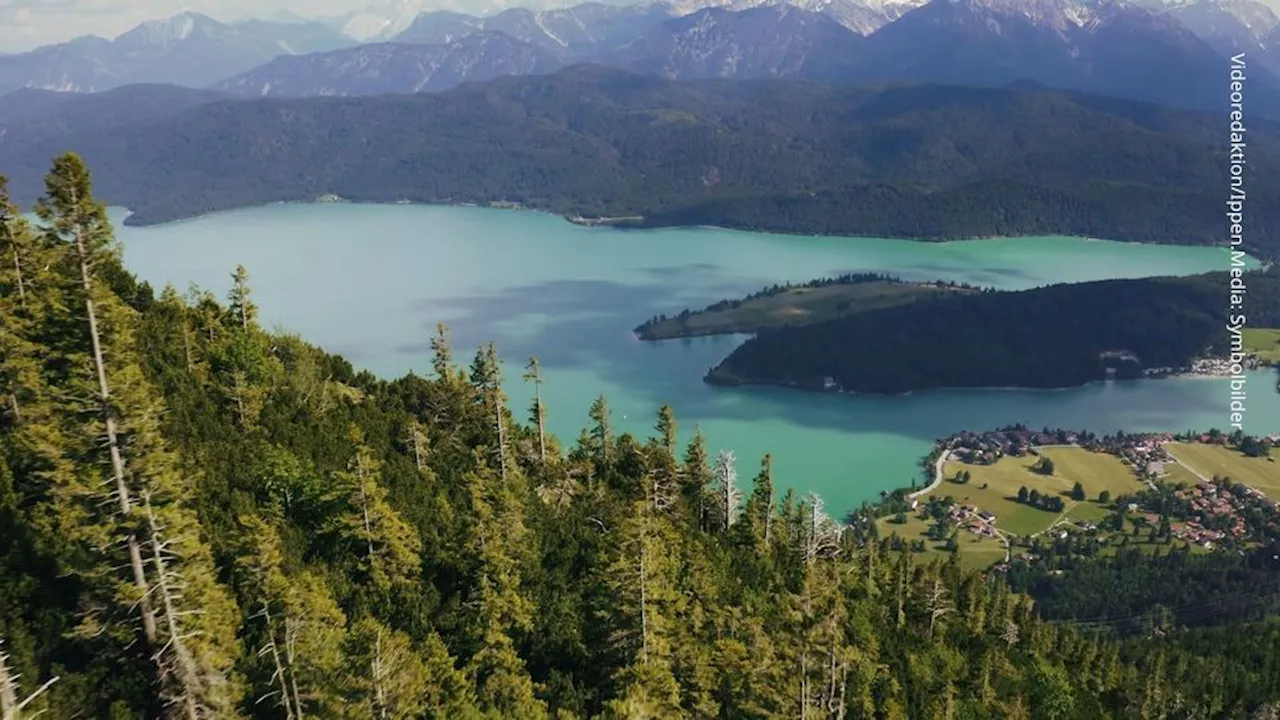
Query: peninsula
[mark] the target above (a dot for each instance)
(790, 305)
(1051, 337)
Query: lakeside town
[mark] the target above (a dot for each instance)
(1004, 495)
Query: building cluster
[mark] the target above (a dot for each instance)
(1217, 512)
(984, 448)
(976, 521)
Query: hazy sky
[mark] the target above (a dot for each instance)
(25, 24)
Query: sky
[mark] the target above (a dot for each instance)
(25, 24)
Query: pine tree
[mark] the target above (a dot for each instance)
(602, 441)
(391, 682)
(188, 618)
(759, 510)
(486, 377)
(302, 630)
(449, 693)
(697, 478)
(502, 607)
(666, 428)
(75, 221)
(241, 357)
(241, 309)
(388, 548)
(23, 298)
(643, 588)
(197, 618)
(537, 413)
(442, 354)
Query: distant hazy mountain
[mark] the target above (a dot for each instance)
(765, 41)
(187, 49)
(579, 30)
(394, 68)
(1108, 47)
(1233, 26)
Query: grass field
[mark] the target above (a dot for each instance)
(1178, 473)
(797, 306)
(1263, 342)
(1094, 471)
(1211, 460)
(975, 552)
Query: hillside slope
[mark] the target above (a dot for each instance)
(925, 161)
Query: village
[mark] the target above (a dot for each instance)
(998, 495)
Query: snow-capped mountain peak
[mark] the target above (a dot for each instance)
(169, 30)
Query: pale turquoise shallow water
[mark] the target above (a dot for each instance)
(371, 281)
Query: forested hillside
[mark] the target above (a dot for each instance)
(1050, 337)
(201, 519)
(784, 155)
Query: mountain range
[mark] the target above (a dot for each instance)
(1171, 54)
(1110, 48)
(922, 161)
(187, 49)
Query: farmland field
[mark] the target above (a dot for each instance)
(1263, 342)
(975, 552)
(1211, 460)
(1094, 471)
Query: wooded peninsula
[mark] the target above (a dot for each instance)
(1051, 337)
(792, 305)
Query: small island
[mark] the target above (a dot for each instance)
(788, 305)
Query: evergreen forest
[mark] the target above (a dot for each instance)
(203, 519)
(782, 155)
(1047, 337)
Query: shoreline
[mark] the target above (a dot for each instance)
(716, 381)
(618, 223)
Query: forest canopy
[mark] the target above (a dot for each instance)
(1050, 337)
(203, 519)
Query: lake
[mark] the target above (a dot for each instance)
(371, 281)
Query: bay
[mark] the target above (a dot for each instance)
(371, 282)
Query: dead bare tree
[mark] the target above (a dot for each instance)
(11, 705)
(279, 674)
(728, 497)
(179, 674)
(821, 535)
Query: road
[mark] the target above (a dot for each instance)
(937, 477)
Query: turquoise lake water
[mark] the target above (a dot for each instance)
(371, 282)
